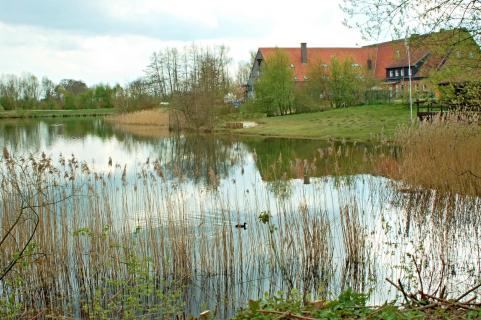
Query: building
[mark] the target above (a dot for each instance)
(389, 62)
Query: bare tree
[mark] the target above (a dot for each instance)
(372, 17)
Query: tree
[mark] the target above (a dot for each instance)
(342, 83)
(202, 86)
(9, 92)
(243, 73)
(275, 87)
(372, 17)
(47, 88)
(73, 87)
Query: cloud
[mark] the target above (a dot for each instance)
(166, 22)
(112, 40)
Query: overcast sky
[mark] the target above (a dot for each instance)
(110, 41)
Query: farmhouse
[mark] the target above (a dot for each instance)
(389, 62)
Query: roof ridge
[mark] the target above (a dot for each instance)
(312, 48)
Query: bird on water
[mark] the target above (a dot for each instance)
(241, 226)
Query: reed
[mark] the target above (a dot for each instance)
(152, 117)
(442, 154)
(118, 242)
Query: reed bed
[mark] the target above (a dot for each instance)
(148, 242)
(442, 154)
(152, 123)
(153, 117)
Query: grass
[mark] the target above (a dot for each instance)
(360, 123)
(55, 113)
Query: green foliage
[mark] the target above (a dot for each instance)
(10, 307)
(462, 95)
(278, 302)
(139, 294)
(251, 107)
(8, 103)
(27, 93)
(346, 83)
(264, 217)
(349, 305)
(308, 100)
(275, 88)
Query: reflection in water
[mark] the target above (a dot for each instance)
(177, 200)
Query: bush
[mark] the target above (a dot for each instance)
(8, 103)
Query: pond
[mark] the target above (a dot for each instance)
(228, 218)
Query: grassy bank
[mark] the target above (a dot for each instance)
(360, 123)
(55, 113)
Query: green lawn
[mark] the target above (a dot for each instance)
(360, 123)
(55, 113)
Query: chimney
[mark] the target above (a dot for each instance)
(303, 52)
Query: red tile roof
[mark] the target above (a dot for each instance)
(433, 50)
(321, 55)
(385, 55)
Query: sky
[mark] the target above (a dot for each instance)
(111, 41)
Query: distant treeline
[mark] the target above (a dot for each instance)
(192, 81)
(27, 92)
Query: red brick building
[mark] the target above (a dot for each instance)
(387, 61)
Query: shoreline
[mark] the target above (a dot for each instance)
(369, 124)
(27, 114)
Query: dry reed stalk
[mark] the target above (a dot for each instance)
(92, 240)
(442, 154)
(354, 235)
(154, 117)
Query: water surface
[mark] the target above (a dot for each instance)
(333, 222)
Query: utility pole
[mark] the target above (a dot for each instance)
(406, 43)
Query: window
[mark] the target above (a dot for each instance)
(391, 73)
(397, 72)
(402, 72)
(398, 54)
